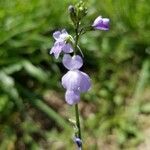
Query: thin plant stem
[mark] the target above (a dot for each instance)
(76, 105)
(76, 37)
(78, 120)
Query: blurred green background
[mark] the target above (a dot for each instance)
(115, 113)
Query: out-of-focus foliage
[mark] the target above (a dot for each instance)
(33, 114)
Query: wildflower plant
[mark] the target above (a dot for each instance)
(75, 81)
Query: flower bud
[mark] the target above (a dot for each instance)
(82, 10)
(78, 141)
(73, 14)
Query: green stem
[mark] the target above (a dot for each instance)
(76, 105)
(78, 120)
(77, 37)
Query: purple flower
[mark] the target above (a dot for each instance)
(61, 43)
(74, 81)
(101, 23)
(72, 63)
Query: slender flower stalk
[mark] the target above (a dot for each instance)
(78, 121)
(76, 105)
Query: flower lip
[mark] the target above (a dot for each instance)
(72, 97)
(76, 80)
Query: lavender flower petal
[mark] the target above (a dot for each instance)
(71, 80)
(56, 35)
(85, 84)
(67, 48)
(101, 23)
(76, 80)
(56, 49)
(97, 21)
(64, 35)
(72, 97)
(72, 63)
